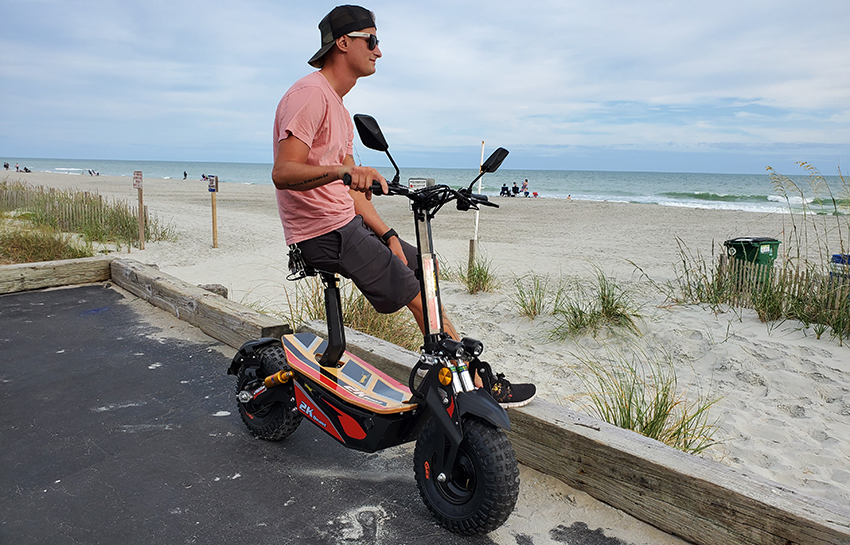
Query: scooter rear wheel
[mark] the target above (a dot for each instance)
(484, 486)
(270, 422)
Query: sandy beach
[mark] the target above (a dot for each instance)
(784, 407)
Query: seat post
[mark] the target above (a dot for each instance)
(336, 329)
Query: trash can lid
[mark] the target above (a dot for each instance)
(841, 258)
(756, 240)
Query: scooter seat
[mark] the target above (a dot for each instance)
(355, 381)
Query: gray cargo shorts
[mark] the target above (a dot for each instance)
(354, 251)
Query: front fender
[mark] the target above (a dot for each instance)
(247, 353)
(481, 404)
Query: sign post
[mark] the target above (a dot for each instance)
(137, 183)
(213, 190)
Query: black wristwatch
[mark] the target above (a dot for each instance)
(388, 235)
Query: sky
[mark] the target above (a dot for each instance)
(621, 85)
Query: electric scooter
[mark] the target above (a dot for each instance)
(464, 465)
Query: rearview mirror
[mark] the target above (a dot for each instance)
(494, 161)
(370, 133)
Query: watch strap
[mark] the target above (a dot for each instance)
(388, 235)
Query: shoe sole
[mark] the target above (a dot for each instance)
(515, 404)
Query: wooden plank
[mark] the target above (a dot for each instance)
(699, 500)
(216, 316)
(49, 274)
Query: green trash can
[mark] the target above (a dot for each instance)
(761, 250)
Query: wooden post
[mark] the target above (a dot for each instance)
(213, 191)
(137, 183)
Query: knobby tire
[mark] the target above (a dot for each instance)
(276, 421)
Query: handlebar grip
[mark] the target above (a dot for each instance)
(375, 189)
(480, 198)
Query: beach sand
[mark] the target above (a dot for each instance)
(784, 397)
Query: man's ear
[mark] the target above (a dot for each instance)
(342, 43)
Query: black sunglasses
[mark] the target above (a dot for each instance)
(373, 40)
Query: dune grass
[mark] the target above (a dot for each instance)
(634, 390)
(591, 308)
(480, 276)
(535, 295)
(37, 244)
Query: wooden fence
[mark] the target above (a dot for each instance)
(745, 281)
(67, 210)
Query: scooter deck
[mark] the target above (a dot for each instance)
(355, 382)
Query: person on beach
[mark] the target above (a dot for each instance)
(515, 190)
(525, 187)
(336, 227)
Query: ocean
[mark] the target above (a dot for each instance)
(747, 192)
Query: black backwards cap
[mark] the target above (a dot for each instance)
(340, 21)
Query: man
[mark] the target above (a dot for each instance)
(336, 227)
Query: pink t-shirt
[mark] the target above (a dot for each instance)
(313, 112)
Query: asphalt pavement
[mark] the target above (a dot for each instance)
(118, 427)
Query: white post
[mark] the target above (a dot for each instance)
(474, 242)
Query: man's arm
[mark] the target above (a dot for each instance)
(291, 171)
(364, 207)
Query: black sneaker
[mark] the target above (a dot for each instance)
(511, 395)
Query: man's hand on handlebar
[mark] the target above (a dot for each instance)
(362, 178)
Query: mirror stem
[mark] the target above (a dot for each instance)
(395, 166)
(469, 189)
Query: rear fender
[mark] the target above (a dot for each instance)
(247, 354)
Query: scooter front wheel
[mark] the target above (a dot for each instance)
(271, 422)
(484, 485)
